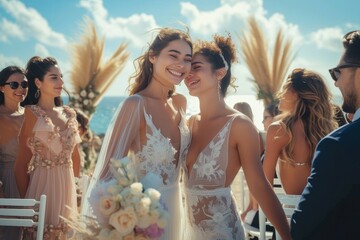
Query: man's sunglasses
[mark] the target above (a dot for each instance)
(335, 72)
(15, 85)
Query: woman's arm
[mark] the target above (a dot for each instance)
(76, 159)
(276, 140)
(248, 151)
(24, 154)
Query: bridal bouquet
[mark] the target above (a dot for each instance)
(124, 209)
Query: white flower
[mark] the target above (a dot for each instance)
(144, 221)
(91, 95)
(83, 93)
(86, 102)
(104, 234)
(136, 188)
(123, 220)
(114, 235)
(108, 205)
(153, 194)
(143, 206)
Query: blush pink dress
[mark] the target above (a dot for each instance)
(51, 170)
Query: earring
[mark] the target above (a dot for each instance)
(37, 94)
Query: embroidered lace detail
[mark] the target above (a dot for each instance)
(158, 154)
(211, 208)
(53, 147)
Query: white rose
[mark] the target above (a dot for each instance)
(114, 235)
(86, 102)
(136, 188)
(123, 220)
(108, 205)
(144, 221)
(153, 194)
(143, 206)
(104, 234)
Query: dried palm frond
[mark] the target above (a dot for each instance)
(89, 76)
(267, 76)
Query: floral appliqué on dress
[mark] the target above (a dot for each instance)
(211, 209)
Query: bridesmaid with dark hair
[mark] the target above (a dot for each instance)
(48, 160)
(13, 90)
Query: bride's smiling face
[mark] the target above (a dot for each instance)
(173, 63)
(202, 77)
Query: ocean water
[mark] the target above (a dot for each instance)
(108, 105)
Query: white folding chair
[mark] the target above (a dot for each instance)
(289, 204)
(261, 232)
(21, 212)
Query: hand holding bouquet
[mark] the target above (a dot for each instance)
(123, 209)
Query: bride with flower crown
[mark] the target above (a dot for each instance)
(150, 128)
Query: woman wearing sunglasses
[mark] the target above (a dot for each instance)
(48, 157)
(13, 90)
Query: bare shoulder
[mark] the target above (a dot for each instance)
(179, 101)
(277, 129)
(243, 123)
(133, 101)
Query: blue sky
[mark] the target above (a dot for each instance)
(36, 27)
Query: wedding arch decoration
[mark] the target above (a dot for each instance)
(268, 72)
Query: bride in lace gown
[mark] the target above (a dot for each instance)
(149, 126)
(48, 159)
(222, 141)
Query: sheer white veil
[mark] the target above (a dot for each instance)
(122, 136)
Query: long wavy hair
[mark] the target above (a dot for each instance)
(144, 68)
(313, 108)
(221, 49)
(4, 76)
(37, 67)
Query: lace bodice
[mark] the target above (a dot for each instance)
(49, 145)
(211, 209)
(158, 154)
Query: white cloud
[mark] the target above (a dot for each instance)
(328, 38)
(10, 29)
(32, 24)
(231, 16)
(9, 60)
(41, 50)
(133, 29)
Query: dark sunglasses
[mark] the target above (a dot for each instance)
(15, 85)
(335, 72)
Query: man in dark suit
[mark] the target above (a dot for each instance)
(330, 204)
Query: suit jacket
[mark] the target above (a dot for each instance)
(330, 204)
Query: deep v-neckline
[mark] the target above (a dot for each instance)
(181, 122)
(189, 170)
(56, 127)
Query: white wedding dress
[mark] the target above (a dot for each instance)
(153, 160)
(210, 206)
